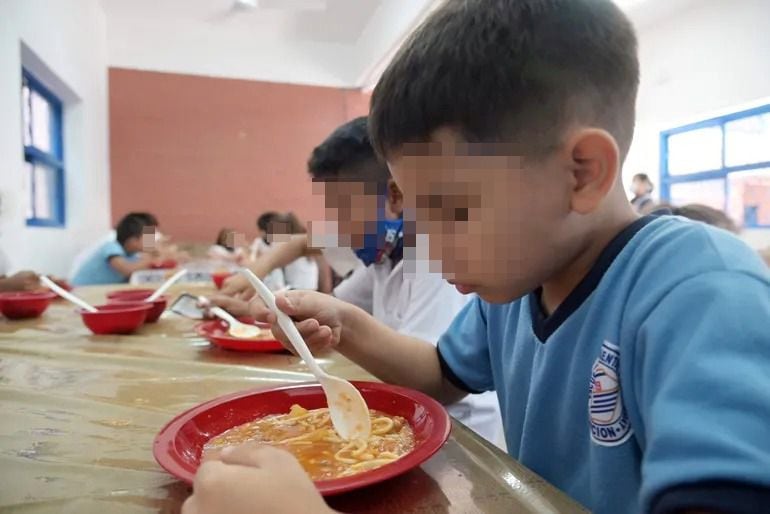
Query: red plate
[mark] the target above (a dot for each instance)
(215, 331)
(178, 446)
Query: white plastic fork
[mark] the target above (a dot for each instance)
(168, 283)
(53, 286)
(347, 408)
(236, 328)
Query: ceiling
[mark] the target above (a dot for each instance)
(329, 21)
(323, 42)
(326, 42)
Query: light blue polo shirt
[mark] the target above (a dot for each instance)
(649, 387)
(96, 269)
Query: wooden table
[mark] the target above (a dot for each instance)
(79, 414)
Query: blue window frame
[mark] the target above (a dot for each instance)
(723, 162)
(43, 153)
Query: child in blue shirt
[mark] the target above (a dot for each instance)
(631, 356)
(114, 261)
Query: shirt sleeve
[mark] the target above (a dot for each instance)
(463, 350)
(112, 249)
(358, 289)
(702, 385)
(432, 305)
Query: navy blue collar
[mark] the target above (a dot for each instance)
(543, 325)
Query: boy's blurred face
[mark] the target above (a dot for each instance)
(280, 232)
(353, 206)
(147, 243)
(498, 226)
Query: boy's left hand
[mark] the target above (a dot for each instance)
(253, 479)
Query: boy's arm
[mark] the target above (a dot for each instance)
(325, 281)
(126, 267)
(327, 322)
(395, 358)
(278, 257)
(702, 389)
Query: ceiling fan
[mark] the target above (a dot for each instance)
(245, 6)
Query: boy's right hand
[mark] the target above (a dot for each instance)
(21, 281)
(320, 318)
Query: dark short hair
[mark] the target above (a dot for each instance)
(222, 238)
(504, 71)
(263, 222)
(643, 177)
(133, 225)
(149, 218)
(290, 224)
(347, 154)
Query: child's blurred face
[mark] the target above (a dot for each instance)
(235, 239)
(498, 226)
(149, 238)
(353, 206)
(280, 232)
(639, 187)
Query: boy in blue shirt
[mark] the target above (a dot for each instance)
(114, 261)
(630, 355)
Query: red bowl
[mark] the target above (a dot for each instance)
(158, 306)
(112, 295)
(20, 305)
(220, 277)
(167, 264)
(116, 318)
(216, 332)
(178, 446)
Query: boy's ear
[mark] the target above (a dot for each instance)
(596, 164)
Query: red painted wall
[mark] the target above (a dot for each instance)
(203, 153)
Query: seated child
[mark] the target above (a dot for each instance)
(302, 272)
(114, 261)
(262, 246)
(227, 247)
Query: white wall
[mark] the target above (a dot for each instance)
(69, 37)
(709, 59)
(386, 31)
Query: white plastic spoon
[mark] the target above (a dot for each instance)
(348, 410)
(168, 283)
(237, 329)
(50, 284)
